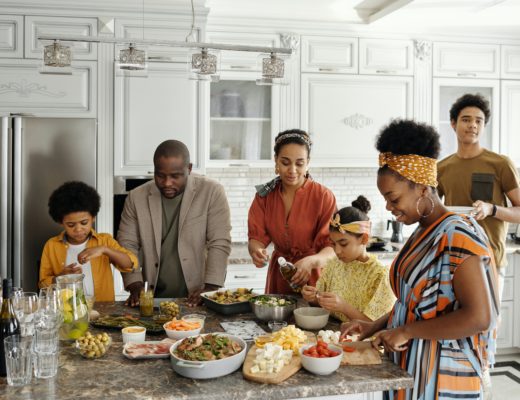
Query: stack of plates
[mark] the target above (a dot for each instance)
(466, 210)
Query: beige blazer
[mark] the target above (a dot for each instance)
(204, 232)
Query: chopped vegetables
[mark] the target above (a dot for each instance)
(273, 301)
(329, 336)
(182, 325)
(321, 350)
(271, 358)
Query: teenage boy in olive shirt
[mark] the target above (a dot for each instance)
(475, 176)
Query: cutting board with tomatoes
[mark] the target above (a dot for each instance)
(360, 353)
(275, 377)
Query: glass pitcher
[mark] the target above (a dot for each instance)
(74, 306)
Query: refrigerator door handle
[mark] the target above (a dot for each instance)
(17, 201)
(4, 196)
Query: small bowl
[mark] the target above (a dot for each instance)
(174, 334)
(311, 317)
(133, 334)
(266, 312)
(200, 318)
(321, 366)
(90, 353)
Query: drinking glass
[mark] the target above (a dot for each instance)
(25, 307)
(18, 359)
(49, 315)
(46, 364)
(16, 292)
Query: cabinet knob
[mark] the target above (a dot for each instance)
(326, 69)
(244, 276)
(240, 67)
(472, 74)
(385, 71)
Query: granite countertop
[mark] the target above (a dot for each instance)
(116, 377)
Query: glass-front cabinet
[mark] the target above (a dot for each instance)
(243, 120)
(445, 92)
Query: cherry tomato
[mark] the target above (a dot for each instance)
(348, 349)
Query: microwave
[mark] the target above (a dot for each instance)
(122, 185)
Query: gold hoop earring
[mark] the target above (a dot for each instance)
(276, 170)
(417, 206)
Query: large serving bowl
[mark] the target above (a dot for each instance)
(209, 369)
(236, 307)
(268, 312)
(311, 317)
(321, 366)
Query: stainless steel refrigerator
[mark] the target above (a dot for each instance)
(36, 156)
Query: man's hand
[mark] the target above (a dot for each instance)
(194, 298)
(482, 210)
(135, 290)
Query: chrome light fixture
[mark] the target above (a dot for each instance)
(204, 65)
(56, 59)
(132, 59)
(273, 67)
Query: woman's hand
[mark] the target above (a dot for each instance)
(309, 293)
(357, 327)
(304, 268)
(392, 339)
(260, 257)
(331, 302)
(90, 253)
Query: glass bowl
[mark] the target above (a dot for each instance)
(93, 346)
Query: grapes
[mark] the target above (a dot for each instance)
(169, 308)
(93, 346)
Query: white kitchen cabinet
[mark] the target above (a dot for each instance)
(24, 90)
(510, 65)
(242, 60)
(329, 54)
(446, 91)
(386, 57)
(466, 60)
(147, 111)
(505, 329)
(11, 36)
(510, 120)
(38, 25)
(244, 119)
(246, 276)
(345, 113)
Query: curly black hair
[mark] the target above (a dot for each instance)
(470, 100)
(293, 136)
(73, 197)
(357, 212)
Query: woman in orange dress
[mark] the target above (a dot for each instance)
(293, 212)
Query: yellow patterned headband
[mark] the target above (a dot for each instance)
(416, 168)
(352, 227)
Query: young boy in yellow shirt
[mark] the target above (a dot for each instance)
(79, 248)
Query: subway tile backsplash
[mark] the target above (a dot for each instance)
(345, 183)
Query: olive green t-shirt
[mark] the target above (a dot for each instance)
(170, 282)
(487, 177)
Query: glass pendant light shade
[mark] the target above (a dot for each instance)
(56, 59)
(132, 62)
(273, 69)
(203, 65)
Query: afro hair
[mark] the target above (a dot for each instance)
(73, 197)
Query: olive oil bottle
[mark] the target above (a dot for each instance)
(9, 325)
(287, 269)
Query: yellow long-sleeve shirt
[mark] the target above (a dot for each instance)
(55, 254)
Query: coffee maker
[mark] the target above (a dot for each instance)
(397, 230)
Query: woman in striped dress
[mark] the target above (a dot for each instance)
(442, 327)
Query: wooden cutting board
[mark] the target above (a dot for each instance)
(365, 354)
(274, 377)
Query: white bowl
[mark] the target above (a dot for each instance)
(129, 336)
(174, 334)
(311, 317)
(321, 366)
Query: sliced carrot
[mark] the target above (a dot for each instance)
(182, 325)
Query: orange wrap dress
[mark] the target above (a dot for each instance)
(304, 233)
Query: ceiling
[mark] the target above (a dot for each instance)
(459, 16)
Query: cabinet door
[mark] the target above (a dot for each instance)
(466, 60)
(23, 89)
(445, 92)
(11, 36)
(329, 54)
(37, 25)
(244, 117)
(242, 60)
(510, 62)
(510, 121)
(246, 276)
(385, 57)
(344, 114)
(150, 110)
(505, 329)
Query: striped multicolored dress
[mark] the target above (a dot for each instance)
(421, 277)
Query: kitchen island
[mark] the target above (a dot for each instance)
(116, 377)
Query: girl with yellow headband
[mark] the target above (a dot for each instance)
(355, 284)
(441, 329)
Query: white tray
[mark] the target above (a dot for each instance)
(147, 356)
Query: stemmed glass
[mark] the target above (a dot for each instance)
(25, 307)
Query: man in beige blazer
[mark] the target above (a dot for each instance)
(179, 226)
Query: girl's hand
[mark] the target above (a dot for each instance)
(73, 268)
(260, 258)
(331, 301)
(90, 253)
(357, 327)
(309, 293)
(392, 339)
(304, 268)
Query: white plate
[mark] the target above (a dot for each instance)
(147, 356)
(461, 209)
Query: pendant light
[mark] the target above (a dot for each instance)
(56, 59)
(273, 68)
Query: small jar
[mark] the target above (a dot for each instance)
(146, 303)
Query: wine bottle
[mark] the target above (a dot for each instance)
(9, 325)
(287, 269)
